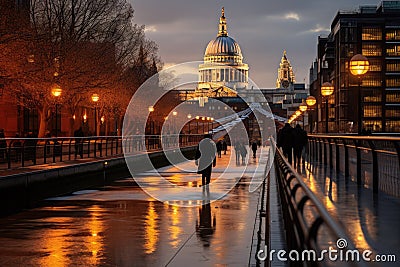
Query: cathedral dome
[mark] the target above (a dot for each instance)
(223, 49)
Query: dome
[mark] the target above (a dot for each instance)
(223, 49)
(223, 45)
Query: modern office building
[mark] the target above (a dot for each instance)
(374, 32)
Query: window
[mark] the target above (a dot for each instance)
(393, 50)
(393, 113)
(371, 81)
(393, 34)
(372, 111)
(371, 50)
(393, 66)
(393, 126)
(393, 82)
(393, 97)
(375, 65)
(371, 33)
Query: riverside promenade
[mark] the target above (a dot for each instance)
(120, 225)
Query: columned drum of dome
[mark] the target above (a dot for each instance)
(223, 62)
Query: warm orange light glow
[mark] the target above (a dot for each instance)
(197, 117)
(150, 230)
(95, 98)
(327, 89)
(84, 117)
(56, 90)
(189, 116)
(359, 65)
(174, 113)
(311, 101)
(102, 119)
(151, 109)
(74, 117)
(303, 107)
(298, 112)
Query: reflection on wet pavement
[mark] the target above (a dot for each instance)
(120, 225)
(371, 221)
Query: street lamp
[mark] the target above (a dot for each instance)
(310, 101)
(303, 108)
(359, 65)
(151, 110)
(56, 92)
(95, 99)
(189, 116)
(326, 90)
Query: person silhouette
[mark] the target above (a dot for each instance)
(205, 158)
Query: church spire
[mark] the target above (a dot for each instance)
(223, 28)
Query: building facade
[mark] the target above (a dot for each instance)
(374, 32)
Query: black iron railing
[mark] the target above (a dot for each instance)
(372, 161)
(22, 152)
(308, 225)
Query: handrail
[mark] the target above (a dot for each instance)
(301, 234)
(22, 152)
(379, 152)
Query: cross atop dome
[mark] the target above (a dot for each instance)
(223, 27)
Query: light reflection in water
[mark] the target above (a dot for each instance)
(151, 229)
(95, 240)
(174, 229)
(54, 243)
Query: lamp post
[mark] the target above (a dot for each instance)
(95, 99)
(303, 108)
(327, 90)
(310, 101)
(359, 65)
(189, 116)
(151, 110)
(56, 92)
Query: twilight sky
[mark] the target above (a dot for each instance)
(263, 29)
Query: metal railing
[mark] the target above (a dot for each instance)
(372, 161)
(23, 152)
(308, 224)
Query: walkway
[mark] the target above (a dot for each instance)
(120, 225)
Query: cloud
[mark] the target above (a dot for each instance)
(317, 29)
(292, 15)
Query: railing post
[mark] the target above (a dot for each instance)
(325, 154)
(358, 152)
(346, 160)
(375, 167)
(337, 155)
(330, 153)
(320, 150)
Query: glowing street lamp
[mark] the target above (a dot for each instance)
(95, 99)
(359, 65)
(327, 89)
(311, 101)
(56, 91)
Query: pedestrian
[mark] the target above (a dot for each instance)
(219, 148)
(285, 141)
(3, 146)
(299, 141)
(224, 146)
(78, 134)
(238, 148)
(205, 158)
(254, 148)
(243, 153)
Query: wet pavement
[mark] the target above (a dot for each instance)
(370, 220)
(120, 225)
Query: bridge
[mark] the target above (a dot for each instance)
(343, 197)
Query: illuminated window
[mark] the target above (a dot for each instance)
(371, 34)
(393, 113)
(393, 34)
(393, 97)
(393, 66)
(371, 50)
(372, 111)
(393, 50)
(375, 65)
(393, 126)
(373, 125)
(393, 82)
